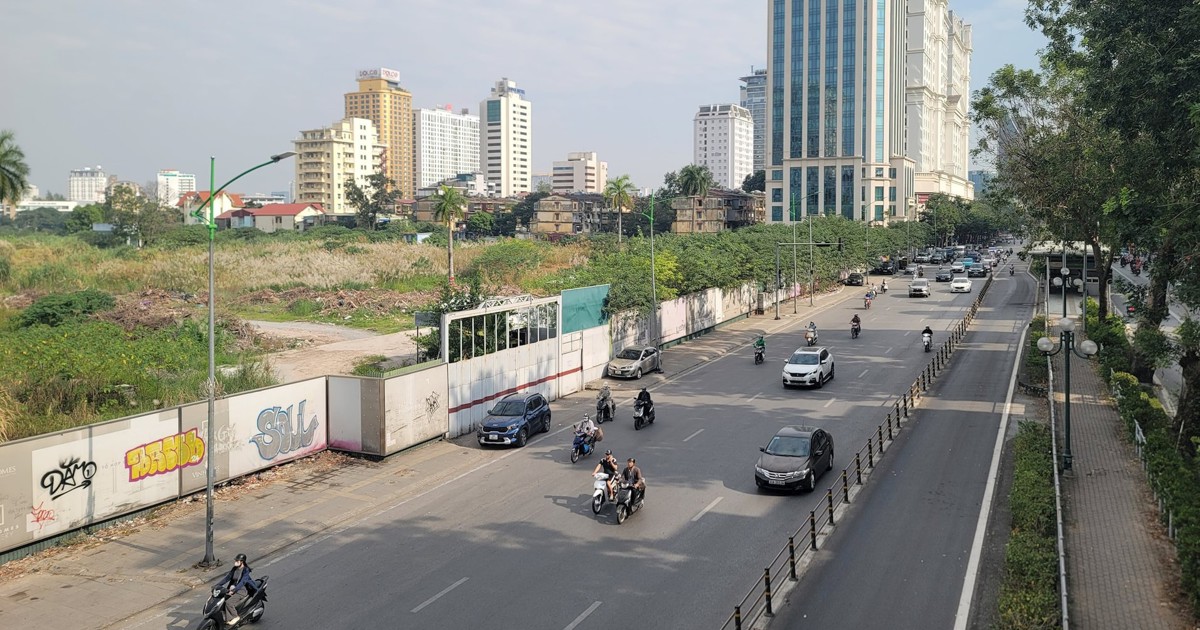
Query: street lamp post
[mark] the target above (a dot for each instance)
(1085, 351)
(210, 559)
(653, 276)
(1065, 283)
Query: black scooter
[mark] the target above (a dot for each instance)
(625, 502)
(641, 415)
(854, 330)
(759, 356)
(250, 610)
(606, 407)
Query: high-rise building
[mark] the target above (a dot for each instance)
(327, 158)
(381, 100)
(446, 144)
(754, 98)
(88, 185)
(581, 172)
(724, 142)
(980, 180)
(835, 110)
(172, 185)
(937, 93)
(506, 139)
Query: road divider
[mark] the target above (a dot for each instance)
(783, 571)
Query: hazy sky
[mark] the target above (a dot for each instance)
(137, 85)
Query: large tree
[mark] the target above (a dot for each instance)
(14, 172)
(755, 182)
(377, 197)
(448, 207)
(139, 219)
(619, 195)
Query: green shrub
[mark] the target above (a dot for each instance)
(51, 276)
(183, 236)
(354, 249)
(1029, 588)
(304, 307)
(56, 309)
(369, 366)
(1035, 362)
(5, 269)
(508, 258)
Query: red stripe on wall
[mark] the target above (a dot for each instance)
(513, 390)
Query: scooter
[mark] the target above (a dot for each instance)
(599, 492)
(1011, 270)
(759, 356)
(606, 407)
(641, 415)
(250, 610)
(854, 330)
(867, 303)
(927, 339)
(583, 445)
(625, 503)
(883, 287)
(810, 336)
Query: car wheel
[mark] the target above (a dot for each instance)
(831, 368)
(820, 381)
(829, 466)
(638, 374)
(523, 437)
(547, 428)
(812, 482)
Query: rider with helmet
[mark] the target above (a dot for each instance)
(608, 466)
(238, 582)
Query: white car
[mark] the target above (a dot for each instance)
(960, 285)
(957, 267)
(808, 366)
(918, 288)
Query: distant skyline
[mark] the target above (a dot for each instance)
(137, 86)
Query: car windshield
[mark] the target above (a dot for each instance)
(920, 283)
(788, 446)
(803, 358)
(855, 276)
(509, 408)
(630, 353)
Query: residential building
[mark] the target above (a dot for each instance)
(172, 185)
(286, 195)
(130, 186)
(581, 172)
(236, 218)
(328, 158)
(980, 180)
(191, 202)
(381, 100)
(88, 185)
(577, 213)
(506, 139)
(724, 142)
(423, 208)
(835, 111)
(35, 204)
(445, 144)
(470, 184)
(717, 211)
(288, 216)
(754, 98)
(936, 96)
(263, 199)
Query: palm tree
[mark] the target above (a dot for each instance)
(14, 172)
(449, 206)
(619, 195)
(695, 181)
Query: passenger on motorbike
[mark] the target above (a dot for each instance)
(608, 466)
(237, 581)
(632, 475)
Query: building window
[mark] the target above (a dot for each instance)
(879, 193)
(777, 213)
(892, 173)
(879, 172)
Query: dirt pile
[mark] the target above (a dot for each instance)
(341, 301)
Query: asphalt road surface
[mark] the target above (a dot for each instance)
(514, 544)
(901, 559)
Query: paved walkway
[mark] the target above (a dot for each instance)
(1121, 569)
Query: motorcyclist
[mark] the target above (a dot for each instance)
(237, 583)
(588, 427)
(1011, 270)
(632, 475)
(760, 345)
(855, 322)
(883, 286)
(927, 331)
(608, 466)
(644, 398)
(610, 405)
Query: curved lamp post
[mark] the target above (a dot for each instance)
(1085, 351)
(653, 275)
(210, 221)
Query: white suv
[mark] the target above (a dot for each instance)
(808, 366)
(918, 287)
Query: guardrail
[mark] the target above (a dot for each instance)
(1139, 444)
(782, 571)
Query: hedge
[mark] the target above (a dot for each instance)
(1029, 590)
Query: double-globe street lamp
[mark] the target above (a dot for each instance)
(1066, 282)
(210, 221)
(1085, 351)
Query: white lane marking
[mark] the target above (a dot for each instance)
(889, 350)
(693, 435)
(439, 595)
(907, 333)
(830, 401)
(864, 372)
(754, 396)
(584, 615)
(968, 592)
(706, 509)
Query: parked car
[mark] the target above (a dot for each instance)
(922, 258)
(633, 362)
(794, 458)
(808, 366)
(960, 285)
(958, 266)
(513, 419)
(854, 280)
(918, 288)
(977, 271)
(943, 275)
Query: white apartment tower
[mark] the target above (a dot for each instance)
(327, 158)
(172, 185)
(581, 172)
(724, 142)
(88, 185)
(835, 110)
(937, 93)
(445, 144)
(506, 139)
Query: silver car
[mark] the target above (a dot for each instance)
(633, 362)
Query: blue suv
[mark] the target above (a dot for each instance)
(514, 418)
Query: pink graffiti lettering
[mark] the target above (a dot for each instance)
(162, 456)
(41, 515)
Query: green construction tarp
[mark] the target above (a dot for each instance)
(584, 308)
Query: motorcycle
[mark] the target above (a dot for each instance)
(1011, 271)
(883, 287)
(867, 303)
(810, 336)
(854, 330)
(606, 407)
(599, 492)
(1130, 311)
(1137, 271)
(642, 415)
(250, 610)
(759, 356)
(625, 503)
(583, 445)
(927, 339)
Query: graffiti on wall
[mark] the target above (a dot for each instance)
(165, 455)
(39, 517)
(71, 474)
(280, 431)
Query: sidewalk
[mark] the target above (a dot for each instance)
(1121, 569)
(124, 577)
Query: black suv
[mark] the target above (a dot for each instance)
(854, 280)
(794, 458)
(514, 418)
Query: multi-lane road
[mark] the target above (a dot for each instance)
(515, 544)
